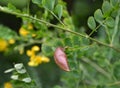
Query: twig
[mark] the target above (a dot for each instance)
(49, 24)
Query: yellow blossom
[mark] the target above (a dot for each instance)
(23, 31)
(30, 53)
(33, 35)
(45, 59)
(3, 45)
(8, 85)
(35, 48)
(35, 61)
(30, 26)
(11, 41)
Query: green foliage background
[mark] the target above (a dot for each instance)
(89, 31)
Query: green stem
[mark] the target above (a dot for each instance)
(64, 29)
(113, 84)
(107, 33)
(56, 17)
(94, 30)
(98, 68)
(116, 27)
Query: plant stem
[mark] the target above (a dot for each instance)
(53, 25)
(98, 68)
(56, 17)
(116, 27)
(113, 84)
(94, 30)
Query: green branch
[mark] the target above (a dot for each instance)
(2, 9)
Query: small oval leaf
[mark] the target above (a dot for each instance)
(49, 4)
(59, 10)
(91, 23)
(14, 77)
(110, 22)
(18, 66)
(9, 70)
(27, 80)
(98, 15)
(106, 8)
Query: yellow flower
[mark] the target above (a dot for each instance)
(11, 41)
(33, 35)
(8, 85)
(30, 53)
(23, 31)
(30, 26)
(3, 45)
(35, 48)
(35, 61)
(45, 59)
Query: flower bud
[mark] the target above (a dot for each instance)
(61, 59)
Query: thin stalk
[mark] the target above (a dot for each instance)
(113, 84)
(116, 27)
(97, 67)
(61, 28)
(56, 17)
(94, 30)
(107, 32)
(97, 27)
(28, 8)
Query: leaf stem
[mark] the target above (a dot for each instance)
(3, 9)
(56, 17)
(116, 27)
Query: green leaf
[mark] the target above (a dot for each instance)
(13, 8)
(21, 71)
(46, 49)
(115, 2)
(106, 8)
(9, 70)
(49, 4)
(91, 23)
(110, 22)
(7, 33)
(14, 77)
(68, 42)
(38, 2)
(18, 66)
(76, 40)
(27, 80)
(98, 15)
(59, 10)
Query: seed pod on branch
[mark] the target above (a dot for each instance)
(61, 59)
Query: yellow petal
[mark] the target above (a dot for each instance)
(30, 53)
(35, 48)
(8, 85)
(23, 31)
(38, 59)
(11, 41)
(31, 63)
(3, 45)
(45, 59)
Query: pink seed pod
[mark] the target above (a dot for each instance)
(61, 59)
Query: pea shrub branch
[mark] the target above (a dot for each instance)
(5, 10)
